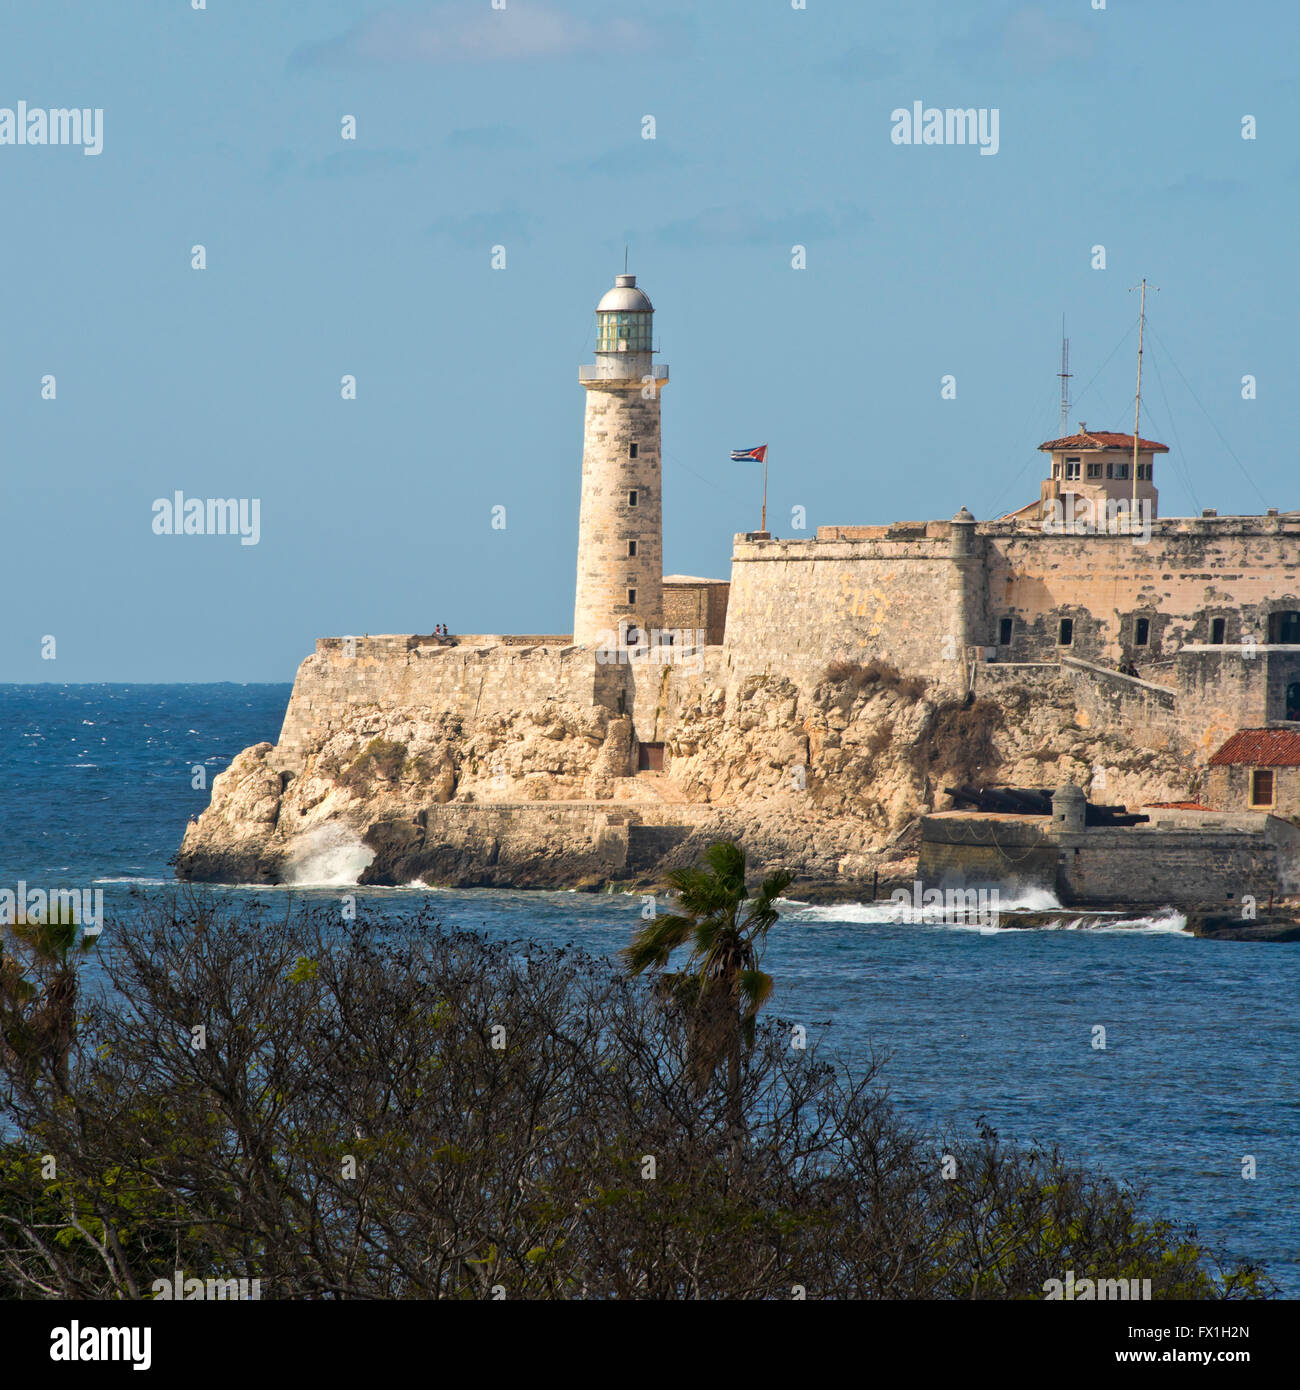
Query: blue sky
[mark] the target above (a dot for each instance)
(523, 127)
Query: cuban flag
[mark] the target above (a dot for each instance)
(758, 455)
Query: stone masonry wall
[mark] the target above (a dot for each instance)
(618, 416)
(343, 676)
(1191, 571)
(796, 605)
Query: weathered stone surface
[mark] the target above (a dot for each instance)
(825, 776)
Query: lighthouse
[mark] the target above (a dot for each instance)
(619, 599)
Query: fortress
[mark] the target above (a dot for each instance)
(817, 703)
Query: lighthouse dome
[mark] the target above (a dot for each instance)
(625, 298)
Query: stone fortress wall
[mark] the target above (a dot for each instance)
(913, 597)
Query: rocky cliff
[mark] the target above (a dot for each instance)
(826, 777)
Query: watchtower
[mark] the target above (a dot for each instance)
(619, 599)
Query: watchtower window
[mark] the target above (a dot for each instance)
(1072, 468)
(1005, 629)
(1261, 787)
(1056, 470)
(631, 549)
(631, 498)
(1094, 470)
(1144, 471)
(1121, 470)
(1142, 631)
(1218, 631)
(623, 332)
(1065, 632)
(631, 595)
(631, 450)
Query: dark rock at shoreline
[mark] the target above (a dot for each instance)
(1229, 926)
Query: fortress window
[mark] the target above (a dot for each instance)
(1141, 631)
(1284, 629)
(631, 499)
(631, 549)
(1005, 628)
(1261, 787)
(1065, 632)
(1218, 631)
(1071, 468)
(631, 595)
(631, 450)
(1094, 470)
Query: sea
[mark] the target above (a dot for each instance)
(1199, 1073)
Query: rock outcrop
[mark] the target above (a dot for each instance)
(828, 779)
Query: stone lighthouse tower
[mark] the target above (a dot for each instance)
(620, 522)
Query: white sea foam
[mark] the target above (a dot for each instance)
(885, 913)
(331, 856)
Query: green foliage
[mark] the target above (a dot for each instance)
(350, 1131)
(381, 760)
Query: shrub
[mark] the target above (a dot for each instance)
(408, 1112)
(381, 760)
(958, 743)
(859, 676)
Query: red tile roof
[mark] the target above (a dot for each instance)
(1260, 748)
(1103, 439)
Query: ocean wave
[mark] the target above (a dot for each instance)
(331, 856)
(883, 913)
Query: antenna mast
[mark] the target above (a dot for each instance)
(1137, 402)
(1065, 375)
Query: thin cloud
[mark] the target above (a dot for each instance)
(1201, 186)
(441, 33)
(344, 164)
(488, 137)
(744, 225)
(1030, 37)
(479, 229)
(633, 160)
(863, 63)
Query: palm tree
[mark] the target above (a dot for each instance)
(721, 986)
(39, 989)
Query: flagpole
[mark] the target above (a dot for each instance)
(763, 527)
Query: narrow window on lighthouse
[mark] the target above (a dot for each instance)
(631, 595)
(631, 549)
(631, 451)
(631, 499)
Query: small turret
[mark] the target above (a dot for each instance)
(1069, 808)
